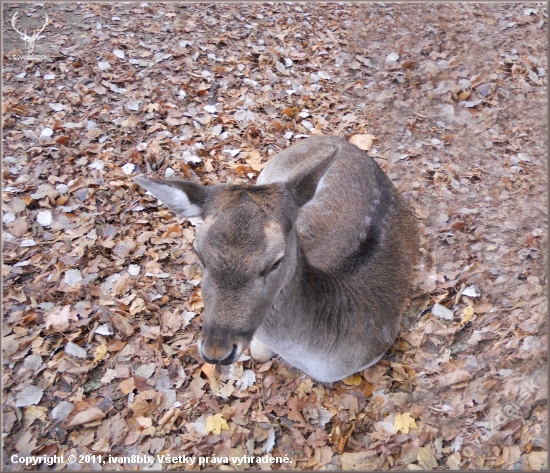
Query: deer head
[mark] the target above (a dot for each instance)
(247, 248)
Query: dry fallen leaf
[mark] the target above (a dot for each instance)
(454, 377)
(59, 317)
(216, 424)
(88, 259)
(353, 380)
(467, 315)
(294, 404)
(127, 386)
(30, 395)
(146, 402)
(538, 461)
(403, 422)
(62, 410)
(254, 159)
(86, 416)
(19, 227)
(426, 458)
(363, 142)
(123, 325)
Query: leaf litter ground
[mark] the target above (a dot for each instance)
(101, 291)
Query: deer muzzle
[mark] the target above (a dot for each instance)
(220, 348)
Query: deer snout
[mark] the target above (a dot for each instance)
(219, 350)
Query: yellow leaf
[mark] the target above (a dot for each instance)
(403, 422)
(216, 424)
(353, 380)
(100, 352)
(467, 315)
(363, 142)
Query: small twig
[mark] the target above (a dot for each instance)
(459, 293)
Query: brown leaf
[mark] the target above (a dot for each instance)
(143, 237)
(454, 377)
(362, 461)
(130, 122)
(19, 227)
(464, 94)
(123, 325)
(26, 444)
(323, 455)
(59, 318)
(293, 112)
(343, 439)
(277, 126)
(241, 169)
(318, 438)
(127, 386)
(368, 388)
(174, 231)
(115, 345)
(538, 461)
(154, 149)
(297, 55)
(426, 458)
(86, 416)
(138, 305)
(374, 373)
(195, 387)
(296, 405)
(146, 402)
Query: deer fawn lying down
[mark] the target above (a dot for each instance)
(314, 263)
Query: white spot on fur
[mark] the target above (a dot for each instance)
(321, 185)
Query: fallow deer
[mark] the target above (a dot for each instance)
(314, 263)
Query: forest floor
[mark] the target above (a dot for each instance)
(101, 290)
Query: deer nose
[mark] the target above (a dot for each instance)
(216, 352)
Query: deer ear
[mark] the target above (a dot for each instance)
(184, 198)
(305, 185)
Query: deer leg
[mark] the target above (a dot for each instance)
(259, 351)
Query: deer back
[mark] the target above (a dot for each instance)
(359, 244)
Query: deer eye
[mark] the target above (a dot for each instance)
(275, 265)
